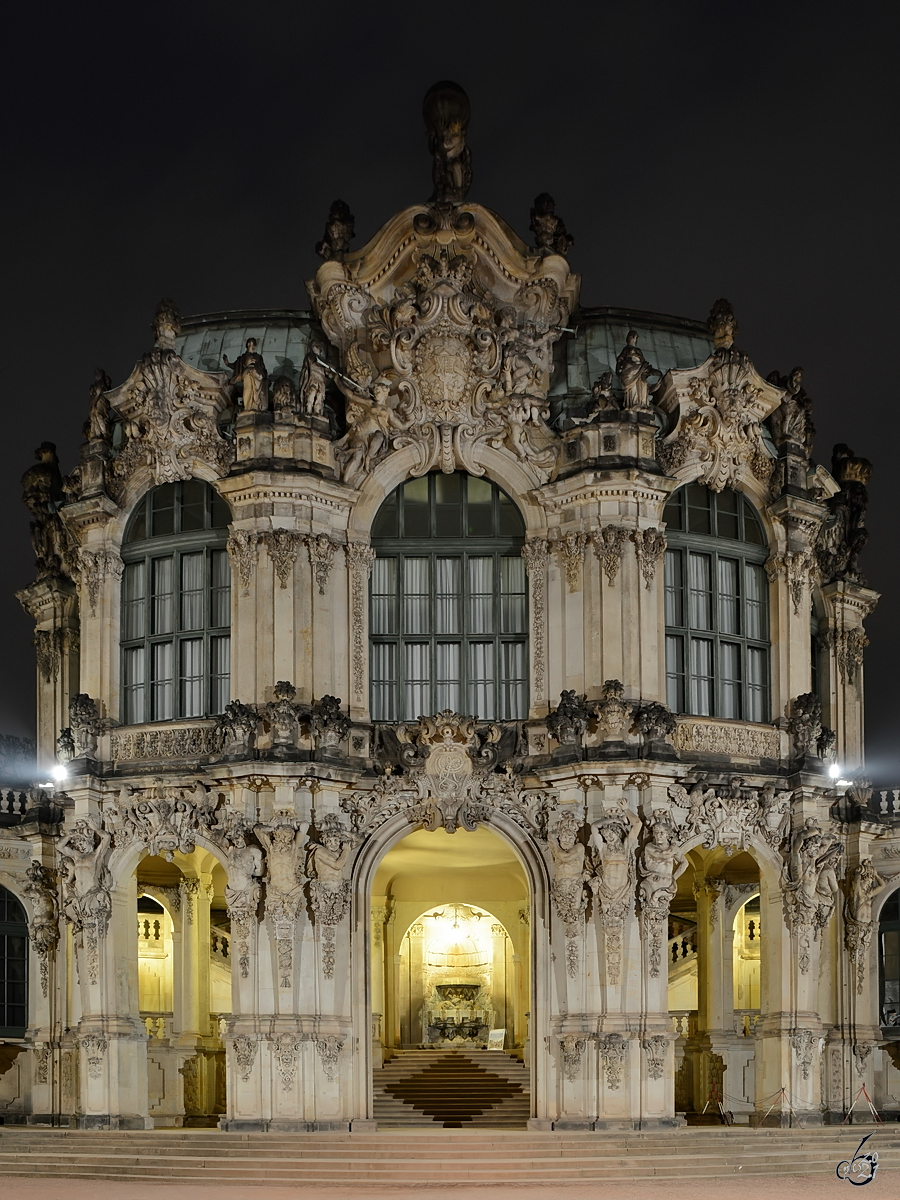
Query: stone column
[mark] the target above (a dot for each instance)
(843, 636)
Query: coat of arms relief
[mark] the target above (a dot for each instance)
(445, 326)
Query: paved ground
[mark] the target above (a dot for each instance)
(792, 1187)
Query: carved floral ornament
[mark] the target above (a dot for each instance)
(444, 326)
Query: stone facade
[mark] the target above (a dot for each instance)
(447, 344)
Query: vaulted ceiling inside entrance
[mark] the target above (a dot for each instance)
(443, 867)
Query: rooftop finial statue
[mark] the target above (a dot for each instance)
(446, 111)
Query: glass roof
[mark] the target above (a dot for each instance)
(281, 341)
(667, 343)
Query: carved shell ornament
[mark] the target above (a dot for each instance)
(455, 320)
(719, 406)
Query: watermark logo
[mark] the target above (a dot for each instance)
(860, 1168)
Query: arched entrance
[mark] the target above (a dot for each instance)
(450, 970)
(718, 983)
(184, 984)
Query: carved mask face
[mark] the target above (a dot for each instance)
(332, 842)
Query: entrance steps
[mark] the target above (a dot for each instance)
(420, 1159)
(453, 1088)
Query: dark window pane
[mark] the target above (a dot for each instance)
(387, 521)
(448, 505)
(220, 513)
(163, 507)
(480, 508)
(698, 500)
(727, 515)
(137, 530)
(511, 523)
(416, 511)
(193, 504)
(672, 514)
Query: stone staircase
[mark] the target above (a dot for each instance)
(420, 1159)
(453, 1088)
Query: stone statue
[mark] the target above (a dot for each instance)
(42, 491)
(249, 370)
(339, 231)
(863, 886)
(520, 373)
(722, 324)
(325, 865)
(446, 112)
(311, 390)
(43, 928)
(100, 413)
(284, 395)
(87, 882)
(859, 925)
(791, 422)
(284, 840)
(614, 839)
(166, 324)
(245, 869)
(658, 865)
(368, 430)
(601, 391)
(634, 371)
(843, 533)
(570, 871)
(550, 235)
(811, 882)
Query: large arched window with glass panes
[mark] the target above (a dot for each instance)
(176, 605)
(448, 608)
(717, 606)
(889, 962)
(13, 966)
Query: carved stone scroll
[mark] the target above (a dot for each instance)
(536, 555)
(360, 560)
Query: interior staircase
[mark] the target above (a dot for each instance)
(453, 1088)
(417, 1158)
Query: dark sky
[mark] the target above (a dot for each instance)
(694, 149)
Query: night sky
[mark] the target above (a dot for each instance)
(695, 150)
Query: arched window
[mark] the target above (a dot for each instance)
(448, 602)
(889, 960)
(717, 606)
(13, 966)
(176, 605)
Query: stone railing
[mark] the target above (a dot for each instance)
(682, 948)
(155, 743)
(684, 1021)
(220, 946)
(746, 1021)
(734, 739)
(886, 803)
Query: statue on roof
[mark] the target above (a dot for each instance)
(446, 111)
(249, 370)
(339, 231)
(100, 414)
(791, 422)
(634, 371)
(311, 388)
(722, 324)
(550, 234)
(166, 324)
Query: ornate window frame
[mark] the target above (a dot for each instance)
(408, 530)
(716, 605)
(166, 546)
